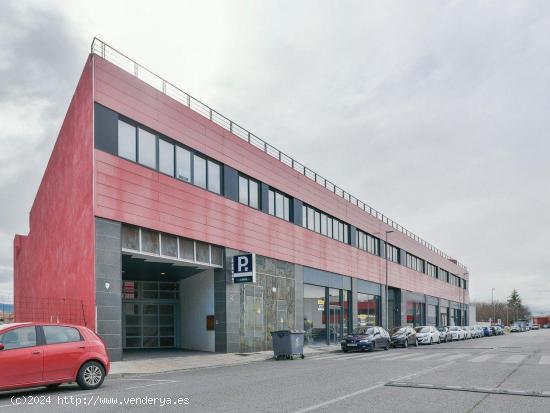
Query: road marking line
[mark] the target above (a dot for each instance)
(150, 385)
(376, 386)
(400, 357)
(454, 357)
(516, 358)
(482, 358)
(353, 356)
(429, 356)
(544, 360)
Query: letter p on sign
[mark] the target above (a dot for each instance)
(242, 264)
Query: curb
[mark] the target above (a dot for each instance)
(127, 374)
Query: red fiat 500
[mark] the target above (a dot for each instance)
(41, 354)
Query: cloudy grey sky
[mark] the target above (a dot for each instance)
(434, 112)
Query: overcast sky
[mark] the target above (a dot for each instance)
(436, 113)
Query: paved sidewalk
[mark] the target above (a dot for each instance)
(196, 360)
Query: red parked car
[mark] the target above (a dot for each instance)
(42, 354)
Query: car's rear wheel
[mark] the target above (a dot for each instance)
(91, 375)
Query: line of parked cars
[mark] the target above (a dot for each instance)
(376, 337)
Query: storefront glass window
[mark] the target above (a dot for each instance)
(415, 313)
(431, 311)
(367, 310)
(443, 316)
(314, 315)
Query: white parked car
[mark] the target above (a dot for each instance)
(467, 332)
(478, 330)
(427, 335)
(457, 332)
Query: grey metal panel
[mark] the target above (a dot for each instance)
(299, 297)
(354, 302)
(346, 283)
(231, 183)
(368, 287)
(432, 300)
(443, 303)
(105, 129)
(417, 297)
(108, 275)
(326, 279)
(264, 202)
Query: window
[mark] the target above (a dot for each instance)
(130, 237)
(317, 222)
(310, 218)
(249, 192)
(368, 243)
(199, 171)
(217, 255)
(183, 164)
(415, 263)
(169, 244)
(150, 241)
(126, 141)
(214, 177)
(367, 309)
(147, 149)
(187, 249)
(278, 204)
(253, 194)
(173, 160)
(60, 334)
(431, 270)
(323, 224)
(166, 157)
(203, 252)
(392, 253)
(19, 338)
(443, 275)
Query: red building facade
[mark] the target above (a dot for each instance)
(148, 195)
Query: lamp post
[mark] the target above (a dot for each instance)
(493, 303)
(386, 286)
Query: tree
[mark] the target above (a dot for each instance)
(509, 311)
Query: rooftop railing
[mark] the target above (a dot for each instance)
(119, 59)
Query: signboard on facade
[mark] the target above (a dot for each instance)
(244, 268)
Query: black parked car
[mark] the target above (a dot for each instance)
(445, 334)
(366, 338)
(404, 337)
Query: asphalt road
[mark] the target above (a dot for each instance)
(467, 376)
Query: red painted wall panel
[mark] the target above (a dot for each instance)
(130, 96)
(54, 275)
(127, 192)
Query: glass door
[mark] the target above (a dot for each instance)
(335, 324)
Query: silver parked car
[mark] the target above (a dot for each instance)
(427, 335)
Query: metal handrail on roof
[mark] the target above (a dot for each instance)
(119, 59)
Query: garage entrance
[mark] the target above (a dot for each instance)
(165, 304)
(150, 323)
